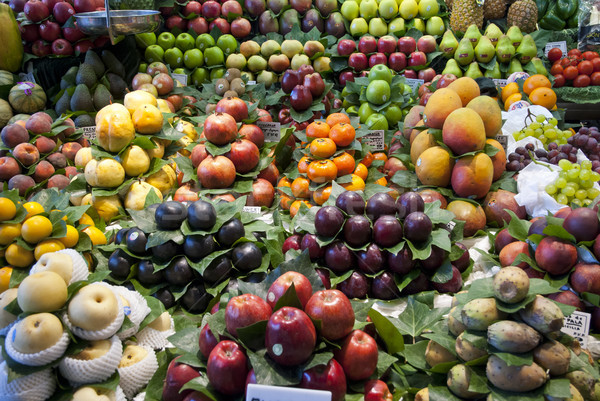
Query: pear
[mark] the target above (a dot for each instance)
(493, 73)
(473, 70)
(505, 50)
(514, 66)
(452, 68)
(539, 66)
(448, 44)
(493, 33)
(526, 50)
(473, 34)
(484, 51)
(515, 35)
(464, 52)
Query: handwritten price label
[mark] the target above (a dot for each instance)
(414, 84)
(375, 139)
(251, 209)
(181, 78)
(89, 133)
(551, 45)
(500, 82)
(271, 130)
(577, 325)
(259, 392)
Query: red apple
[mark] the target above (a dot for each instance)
(377, 58)
(417, 58)
(62, 47)
(175, 21)
(377, 390)
(289, 80)
(290, 337)
(282, 283)
(245, 310)
(397, 61)
(227, 368)
(358, 61)
(346, 76)
(83, 46)
(51, 3)
(407, 45)
(211, 9)
(49, 31)
(445, 80)
(334, 310)
(346, 47)
(192, 7)
(41, 48)
(291, 242)
(84, 6)
(367, 44)
(36, 11)
(427, 74)
(303, 71)
(240, 27)
(386, 44)
(207, 340)
(198, 25)
(301, 98)
(29, 33)
(426, 44)
(328, 377)
(358, 355)
(16, 5)
(72, 34)
(315, 84)
(178, 374)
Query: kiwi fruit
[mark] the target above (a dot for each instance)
(238, 86)
(221, 86)
(230, 93)
(232, 73)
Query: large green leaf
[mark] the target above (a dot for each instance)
(417, 317)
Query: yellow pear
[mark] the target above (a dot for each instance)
(147, 119)
(164, 179)
(158, 151)
(132, 355)
(161, 323)
(42, 292)
(6, 298)
(37, 332)
(135, 99)
(93, 350)
(59, 263)
(163, 106)
(107, 173)
(83, 157)
(135, 161)
(93, 308)
(107, 207)
(93, 394)
(136, 196)
(114, 128)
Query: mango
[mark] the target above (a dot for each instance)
(466, 88)
(490, 113)
(472, 176)
(421, 143)
(434, 167)
(439, 106)
(463, 131)
(499, 159)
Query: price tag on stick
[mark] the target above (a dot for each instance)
(259, 392)
(89, 133)
(551, 45)
(577, 325)
(375, 139)
(272, 130)
(503, 140)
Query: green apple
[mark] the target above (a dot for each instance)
(435, 26)
(132, 354)
(380, 72)
(393, 114)
(364, 111)
(299, 60)
(193, 58)
(368, 9)
(166, 40)
(204, 41)
(377, 27)
(409, 9)
(45, 291)
(227, 43)
(236, 60)
(146, 39)
(185, 42)
(213, 56)
(350, 10)
(93, 308)
(142, 67)
(396, 26)
(37, 332)
(257, 63)
(378, 92)
(178, 71)
(199, 76)
(154, 53)
(377, 121)
(428, 8)
(359, 27)
(419, 24)
(217, 73)
(388, 9)
(248, 75)
(174, 57)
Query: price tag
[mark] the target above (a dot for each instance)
(89, 133)
(375, 139)
(251, 209)
(503, 140)
(259, 392)
(414, 84)
(251, 83)
(551, 45)
(450, 226)
(577, 325)
(500, 82)
(181, 78)
(271, 130)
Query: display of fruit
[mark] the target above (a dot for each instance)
(27, 97)
(545, 130)
(576, 69)
(575, 184)
(536, 90)
(586, 139)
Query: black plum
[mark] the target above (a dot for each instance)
(165, 252)
(357, 231)
(119, 264)
(452, 285)
(197, 247)
(462, 263)
(409, 202)
(434, 260)
(387, 231)
(328, 221)
(179, 272)
(351, 203)
(218, 270)
(402, 262)
(417, 227)
(418, 284)
(201, 215)
(246, 257)
(136, 241)
(355, 286)
(230, 232)
(309, 241)
(339, 258)
(384, 286)
(121, 235)
(169, 215)
(195, 299)
(146, 274)
(166, 297)
(370, 260)
(380, 204)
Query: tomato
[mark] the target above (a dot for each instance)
(556, 69)
(565, 62)
(595, 78)
(559, 81)
(571, 72)
(590, 55)
(581, 81)
(596, 64)
(585, 67)
(555, 54)
(574, 52)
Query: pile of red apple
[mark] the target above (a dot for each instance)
(405, 55)
(49, 28)
(39, 153)
(577, 69)
(436, 81)
(290, 341)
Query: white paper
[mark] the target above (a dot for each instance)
(259, 392)
(577, 325)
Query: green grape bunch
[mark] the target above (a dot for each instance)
(575, 184)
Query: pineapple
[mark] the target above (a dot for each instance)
(465, 13)
(494, 9)
(523, 14)
(449, 5)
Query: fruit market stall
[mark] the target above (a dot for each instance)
(353, 200)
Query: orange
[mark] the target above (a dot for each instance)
(300, 188)
(342, 134)
(95, 235)
(536, 81)
(18, 256)
(5, 274)
(380, 156)
(86, 220)
(543, 97)
(512, 99)
(71, 238)
(32, 209)
(284, 182)
(336, 118)
(357, 184)
(382, 181)
(509, 89)
(47, 246)
(317, 129)
(368, 159)
(285, 202)
(296, 206)
(322, 171)
(362, 171)
(36, 229)
(8, 210)
(344, 163)
(322, 147)
(303, 164)
(321, 195)
(9, 232)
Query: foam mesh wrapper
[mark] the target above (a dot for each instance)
(80, 268)
(38, 386)
(41, 358)
(4, 330)
(155, 339)
(96, 370)
(137, 376)
(136, 311)
(106, 332)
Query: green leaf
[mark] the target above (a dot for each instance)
(160, 237)
(186, 339)
(289, 298)
(384, 361)
(253, 336)
(405, 179)
(269, 373)
(144, 220)
(558, 388)
(322, 358)
(200, 384)
(518, 228)
(482, 288)
(558, 231)
(478, 382)
(387, 330)
(216, 322)
(361, 309)
(514, 359)
(436, 214)
(415, 354)
(417, 317)
(443, 339)
(441, 394)
(444, 273)
(441, 238)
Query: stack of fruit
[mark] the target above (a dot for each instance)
(577, 69)
(156, 80)
(41, 153)
(27, 98)
(522, 13)
(536, 90)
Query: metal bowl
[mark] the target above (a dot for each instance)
(123, 22)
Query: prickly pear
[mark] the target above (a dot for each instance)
(552, 356)
(510, 336)
(479, 313)
(435, 354)
(543, 315)
(455, 325)
(584, 382)
(466, 350)
(511, 284)
(514, 378)
(459, 378)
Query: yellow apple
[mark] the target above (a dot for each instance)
(106, 173)
(114, 128)
(164, 179)
(147, 119)
(135, 99)
(135, 161)
(187, 129)
(321, 64)
(42, 292)
(136, 196)
(93, 394)
(83, 157)
(37, 332)
(107, 207)
(93, 308)
(59, 263)
(132, 354)
(6, 298)
(158, 151)
(94, 350)
(291, 47)
(161, 323)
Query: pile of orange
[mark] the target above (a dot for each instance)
(537, 88)
(325, 160)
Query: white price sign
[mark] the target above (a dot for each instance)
(259, 392)
(414, 84)
(251, 209)
(251, 83)
(271, 130)
(500, 82)
(375, 139)
(181, 78)
(89, 133)
(503, 140)
(551, 45)
(577, 325)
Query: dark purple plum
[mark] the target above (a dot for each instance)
(538, 226)
(276, 5)
(311, 20)
(357, 231)
(434, 260)
(417, 227)
(302, 6)
(463, 262)
(146, 274)
(370, 260)
(452, 285)
(402, 262)
(309, 241)
(166, 297)
(165, 252)
(355, 286)
(179, 272)
(255, 7)
(387, 231)
(335, 25)
(380, 204)
(384, 286)
(410, 202)
(351, 203)
(197, 247)
(218, 270)
(195, 299)
(329, 221)
(339, 258)
(419, 284)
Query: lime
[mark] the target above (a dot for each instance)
(378, 92)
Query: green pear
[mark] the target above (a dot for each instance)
(448, 44)
(505, 50)
(473, 70)
(493, 33)
(539, 66)
(493, 73)
(484, 51)
(291, 47)
(527, 49)
(514, 66)
(464, 52)
(473, 34)
(515, 35)
(452, 68)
